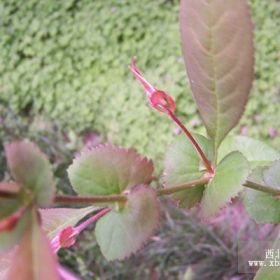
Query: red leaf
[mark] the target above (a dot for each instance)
(217, 43)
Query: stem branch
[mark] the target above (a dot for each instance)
(8, 194)
(181, 187)
(89, 199)
(70, 199)
(262, 188)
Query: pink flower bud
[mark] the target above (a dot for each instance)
(158, 99)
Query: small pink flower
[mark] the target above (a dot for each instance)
(158, 99)
(68, 236)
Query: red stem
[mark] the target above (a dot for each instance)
(196, 145)
(92, 219)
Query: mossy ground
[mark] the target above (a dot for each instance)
(67, 60)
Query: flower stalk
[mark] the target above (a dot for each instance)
(163, 102)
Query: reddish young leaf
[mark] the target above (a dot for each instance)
(34, 259)
(30, 167)
(109, 169)
(217, 44)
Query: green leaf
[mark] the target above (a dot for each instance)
(272, 175)
(182, 164)
(121, 233)
(8, 205)
(109, 170)
(268, 273)
(34, 259)
(262, 207)
(56, 219)
(30, 167)
(218, 54)
(227, 182)
(256, 152)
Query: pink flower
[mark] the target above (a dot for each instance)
(158, 99)
(67, 237)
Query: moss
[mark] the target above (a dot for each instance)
(68, 60)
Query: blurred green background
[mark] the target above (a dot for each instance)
(64, 75)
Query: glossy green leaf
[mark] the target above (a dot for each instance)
(256, 152)
(56, 219)
(34, 259)
(262, 207)
(121, 233)
(217, 44)
(227, 182)
(182, 164)
(109, 170)
(8, 205)
(30, 167)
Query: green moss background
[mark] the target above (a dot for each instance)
(67, 60)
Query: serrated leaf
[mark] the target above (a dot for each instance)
(8, 205)
(218, 54)
(109, 170)
(271, 175)
(121, 233)
(56, 219)
(182, 164)
(227, 182)
(262, 207)
(30, 167)
(9, 238)
(34, 259)
(248, 147)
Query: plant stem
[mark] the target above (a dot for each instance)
(92, 219)
(122, 198)
(194, 142)
(184, 186)
(8, 194)
(70, 199)
(262, 188)
(89, 199)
